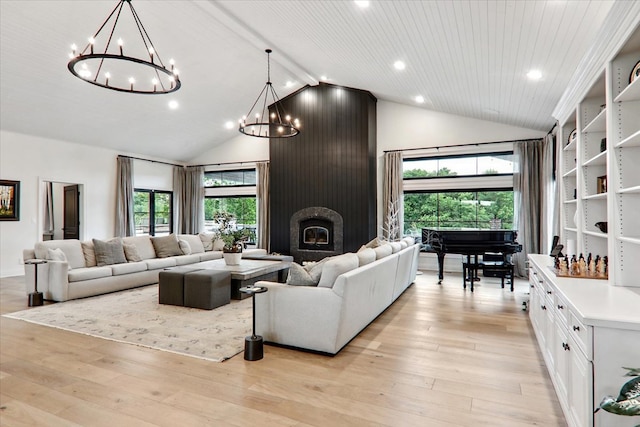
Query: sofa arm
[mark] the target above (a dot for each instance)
(55, 284)
(299, 316)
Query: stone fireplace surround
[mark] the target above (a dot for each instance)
(302, 254)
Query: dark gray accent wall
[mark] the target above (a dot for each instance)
(332, 163)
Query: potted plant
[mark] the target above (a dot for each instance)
(232, 237)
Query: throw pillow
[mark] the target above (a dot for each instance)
(207, 241)
(166, 246)
(366, 256)
(298, 276)
(108, 253)
(218, 244)
(335, 267)
(89, 254)
(315, 269)
(374, 243)
(56, 255)
(184, 247)
(131, 252)
(195, 244)
(383, 251)
(403, 244)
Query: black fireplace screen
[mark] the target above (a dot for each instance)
(316, 236)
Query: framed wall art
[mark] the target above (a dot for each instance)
(9, 200)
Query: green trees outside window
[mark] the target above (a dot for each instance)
(243, 208)
(152, 212)
(454, 206)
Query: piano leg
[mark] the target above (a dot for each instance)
(440, 267)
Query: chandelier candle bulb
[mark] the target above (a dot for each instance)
(151, 52)
(106, 76)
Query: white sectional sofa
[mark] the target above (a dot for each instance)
(75, 274)
(325, 318)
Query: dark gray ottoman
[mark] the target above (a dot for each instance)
(171, 285)
(207, 289)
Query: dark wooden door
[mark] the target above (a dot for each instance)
(71, 228)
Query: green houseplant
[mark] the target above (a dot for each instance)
(232, 237)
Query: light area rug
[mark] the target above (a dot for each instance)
(135, 317)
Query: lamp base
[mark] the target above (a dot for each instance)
(253, 348)
(35, 299)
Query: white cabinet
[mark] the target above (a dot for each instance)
(587, 331)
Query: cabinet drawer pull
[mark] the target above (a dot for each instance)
(544, 307)
(549, 292)
(566, 347)
(560, 307)
(576, 328)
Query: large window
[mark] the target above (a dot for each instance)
(459, 192)
(152, 212)
(234, 192)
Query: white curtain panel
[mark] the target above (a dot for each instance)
(392, 196)
(48, 225)
(193, 208)
(262, 190)
(125, 225)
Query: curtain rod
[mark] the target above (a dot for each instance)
(227, 163)
(147, 160)
(462, 145)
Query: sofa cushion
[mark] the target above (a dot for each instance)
(157, 263)
(207, 240)
(143, 244)
(184, 247)
(335, 266)
(395, 246)
(194, 242)
(108, 253)
(404, 244)
(72, 250)
(211, 255)
(383, 251)
(88, 273)
(366, 256)
(166, 246)
(187, 259)
(218, 244)
(128, 268)
(410, 240)
(131, 252)
(89, 254)
(298, 276)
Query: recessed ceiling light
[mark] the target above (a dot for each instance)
(323, 78)
(362, 3)
(419, 99)
(399, 65)
(173, 104)
(534, 75)
(229, 125)
(289, 83)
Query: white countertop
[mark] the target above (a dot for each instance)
(596, 302)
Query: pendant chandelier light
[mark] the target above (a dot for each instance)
(278, 123)
(140, 70)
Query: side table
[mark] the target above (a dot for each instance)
(35, 297)
(253, 345)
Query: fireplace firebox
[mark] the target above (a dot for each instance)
(316, 233)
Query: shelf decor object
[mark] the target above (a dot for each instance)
(635, 73)
(601, 184)
(572, 136)
(278, 123)
(140, 70)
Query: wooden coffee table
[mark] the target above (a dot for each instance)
(248, 272)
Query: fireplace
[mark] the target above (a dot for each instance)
(316, 233)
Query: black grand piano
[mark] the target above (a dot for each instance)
(470, 243)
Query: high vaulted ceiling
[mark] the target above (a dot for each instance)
(464, 57)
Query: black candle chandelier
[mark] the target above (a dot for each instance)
(111, 69)
(277, 124)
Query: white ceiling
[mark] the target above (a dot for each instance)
(464, 57)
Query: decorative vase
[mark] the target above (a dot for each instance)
(232, 255)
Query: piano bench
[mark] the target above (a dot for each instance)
(503, 270)
(470, 273)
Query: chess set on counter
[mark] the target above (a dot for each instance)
(579, 267)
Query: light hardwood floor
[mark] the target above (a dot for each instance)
(439, 356)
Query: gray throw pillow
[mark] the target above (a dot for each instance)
(109, 253)
(166, 246)
(298, 276)
(131, 252)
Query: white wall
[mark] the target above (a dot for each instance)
(31, 160)
(239, 149)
